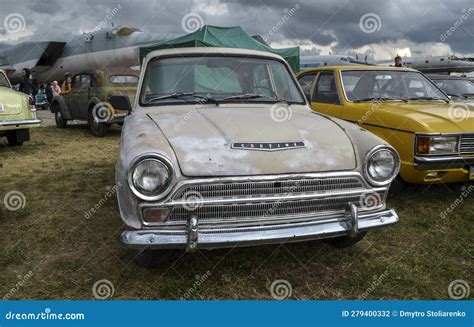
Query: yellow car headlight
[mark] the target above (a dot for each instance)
(436, 145)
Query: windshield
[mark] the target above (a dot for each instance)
(390, 85)
(123, 79)
(456, 87)
(4, 81)
(220, 78)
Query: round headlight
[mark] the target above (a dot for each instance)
(382, 166)
(150, 178)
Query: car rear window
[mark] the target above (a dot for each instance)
(123, 79)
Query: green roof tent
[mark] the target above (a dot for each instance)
(227, 37)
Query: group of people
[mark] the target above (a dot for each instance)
(45, 91)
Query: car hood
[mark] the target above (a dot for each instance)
(202, 140)
(11, 101)
(435, 116)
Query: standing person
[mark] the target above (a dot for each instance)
(56, 89)
(49, 92)
(28, 83)
(398, 61)
(66, 87)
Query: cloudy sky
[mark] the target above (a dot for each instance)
(379, 29)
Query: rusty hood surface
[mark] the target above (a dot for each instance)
(233, 140)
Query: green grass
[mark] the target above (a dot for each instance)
(64, 173)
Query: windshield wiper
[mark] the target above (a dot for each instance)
(380, 99)
(427, 98)
(250, 96)
(183, 94)
(468, 95)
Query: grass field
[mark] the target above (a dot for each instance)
(51, 250)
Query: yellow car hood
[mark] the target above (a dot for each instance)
(12, 102)
(427, 116)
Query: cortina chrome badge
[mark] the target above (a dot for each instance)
(268, 146)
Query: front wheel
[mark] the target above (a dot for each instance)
(148, 258)
(98, 128)
(61, 122)
(343, 242)
(13, 140)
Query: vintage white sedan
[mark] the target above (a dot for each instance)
(221, 149)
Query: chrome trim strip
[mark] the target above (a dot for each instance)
(19, 122)
(424, 163)
(272, 234)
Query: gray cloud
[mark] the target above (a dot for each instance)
(317, 24)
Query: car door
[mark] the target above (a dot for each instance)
(84, 94)
(73, 95)
(325, 97)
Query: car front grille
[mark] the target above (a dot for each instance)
(467, 144)
(266, 202)
(268, 188)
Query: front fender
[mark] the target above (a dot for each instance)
(59, 102)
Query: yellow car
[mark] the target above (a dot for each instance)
(17, 116)
(433, 135)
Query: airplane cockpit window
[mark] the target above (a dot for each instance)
(3, 81)
(125, 31)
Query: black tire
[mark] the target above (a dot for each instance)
(397, 187)
(155, 258)
(97, 128)
(344, 242)
(13, 140)
(61, 122)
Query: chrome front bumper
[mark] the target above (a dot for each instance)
(19, 123)
(194, 238)
(426, 163)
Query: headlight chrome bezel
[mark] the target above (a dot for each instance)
(151, 156)
(430, 138)
(370, 155)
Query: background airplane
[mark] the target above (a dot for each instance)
(109, 47)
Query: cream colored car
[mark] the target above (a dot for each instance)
(17, 116)
(222, 149)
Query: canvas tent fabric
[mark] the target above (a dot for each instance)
(227, 37)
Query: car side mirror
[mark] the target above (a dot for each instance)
(120, 102)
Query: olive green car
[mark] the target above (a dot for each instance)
(16, 115)
(88, 97)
